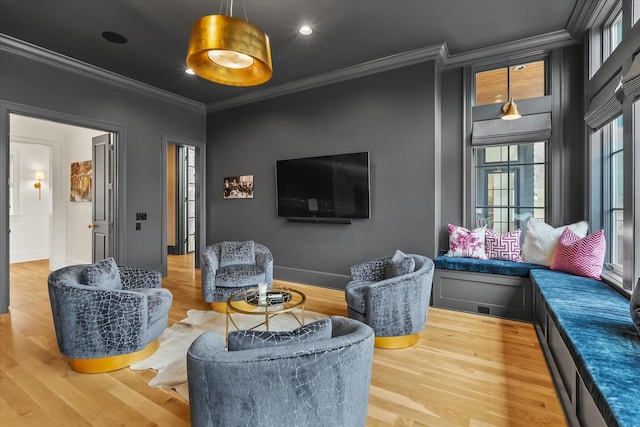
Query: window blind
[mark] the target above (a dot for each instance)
(631, 82)
(605, 106)
(529, 128)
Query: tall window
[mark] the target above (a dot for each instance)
(520, 81)
(510, 185)
(613, 192)
(612, 32)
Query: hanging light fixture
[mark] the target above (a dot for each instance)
(230, 51)
(510, 110)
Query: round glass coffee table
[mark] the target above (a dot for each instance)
(279, 300)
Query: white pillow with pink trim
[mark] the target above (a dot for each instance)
(466, 243)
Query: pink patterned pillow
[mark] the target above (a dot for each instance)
(466, 243)
(582, 256)
(503, 246)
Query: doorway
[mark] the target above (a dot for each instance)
(184, 198)
(59, 140)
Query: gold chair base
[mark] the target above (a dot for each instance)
(112, 363)
(221, 307)
(401, 341)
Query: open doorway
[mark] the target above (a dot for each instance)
(52, 224)
(184, 201)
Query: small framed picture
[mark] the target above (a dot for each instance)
(238, 187)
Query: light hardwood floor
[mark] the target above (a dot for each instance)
(466, 370)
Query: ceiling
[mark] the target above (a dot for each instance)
(347, 33)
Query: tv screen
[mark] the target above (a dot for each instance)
(324, 187)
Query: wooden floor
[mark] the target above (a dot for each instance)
(466, 370)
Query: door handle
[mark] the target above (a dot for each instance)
(92, 225)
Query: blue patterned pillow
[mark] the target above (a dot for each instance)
(400, 264)
(232, 253)
(103, 274)
(246, 340)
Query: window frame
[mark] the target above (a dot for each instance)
(512, 166)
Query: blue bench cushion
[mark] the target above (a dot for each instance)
(488, 266)
(595, 323)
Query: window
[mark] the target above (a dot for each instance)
(613, 192)
(510, 185)
(612, 32)
(519, 81)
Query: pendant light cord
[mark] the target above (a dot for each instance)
(229, 8)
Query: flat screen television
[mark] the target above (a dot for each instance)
(324, 187)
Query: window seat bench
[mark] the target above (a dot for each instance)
(584, 327)
(486, 286)
(591, 346)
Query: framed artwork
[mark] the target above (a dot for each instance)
(81, 181)
(238, 187)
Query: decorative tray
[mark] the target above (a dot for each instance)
(273, 297)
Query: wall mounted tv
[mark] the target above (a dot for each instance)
(324, 189)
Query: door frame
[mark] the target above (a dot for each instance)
(7, 108)
(201, 191)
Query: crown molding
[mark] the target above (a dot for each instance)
(522, 47)
(365, 69)
(587, 14)
(438, 52)
(24, 49)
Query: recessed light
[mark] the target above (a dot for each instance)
(114, 37)
(305, 30)
(189, 71)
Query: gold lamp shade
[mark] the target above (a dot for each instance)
(510, 110)
(230, 51)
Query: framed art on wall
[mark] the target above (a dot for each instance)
(238, 187)
(81, 181)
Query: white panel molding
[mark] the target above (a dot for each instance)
(40, 54)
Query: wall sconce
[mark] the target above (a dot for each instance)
(38, 185)
(510, 110)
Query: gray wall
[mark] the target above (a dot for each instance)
(142, 118)
(394, 115)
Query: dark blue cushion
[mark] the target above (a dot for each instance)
(488, 266)
(594, 321)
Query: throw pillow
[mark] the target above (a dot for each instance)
(399, 265)
(504, 246)
(246, 340)
(541, 239)
(582, 256)
(103, 274)
(466, 243)
(233, 253)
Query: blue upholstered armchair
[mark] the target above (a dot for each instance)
(229, 267)
(391, 294)
(107, 317)
(322, 382)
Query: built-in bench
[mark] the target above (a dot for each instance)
(592, 348)
(492, 287)
(584, 327)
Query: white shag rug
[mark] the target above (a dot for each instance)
(170, 360)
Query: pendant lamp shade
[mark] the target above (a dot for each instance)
(229, 51)
(510, 110)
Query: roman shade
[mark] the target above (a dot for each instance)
(530, 128)
(631, 82)
(605, 106)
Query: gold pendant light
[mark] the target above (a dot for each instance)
(510, 110)
(229, 51)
